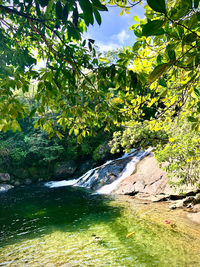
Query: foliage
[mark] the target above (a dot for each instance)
(147, 86)
(165, 62)
(33, 30)
(182, 152)
(32, 151)
(137, 135)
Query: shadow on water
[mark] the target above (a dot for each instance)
(31, 211)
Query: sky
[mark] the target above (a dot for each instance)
(114, 31)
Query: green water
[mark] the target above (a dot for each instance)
(71, 227)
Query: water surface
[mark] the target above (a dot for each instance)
(68, 226)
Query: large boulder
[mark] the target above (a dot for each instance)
(65, 169)
(4, 177)
(149, 179)
(5, 187)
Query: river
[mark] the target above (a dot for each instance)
(67, 226)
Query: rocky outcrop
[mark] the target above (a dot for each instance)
(149, 180)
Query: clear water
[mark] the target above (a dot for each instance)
(67, 226)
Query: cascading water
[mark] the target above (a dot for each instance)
(128, 170)
(105, 178)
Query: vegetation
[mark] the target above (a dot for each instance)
(31, 154)
(150, 89)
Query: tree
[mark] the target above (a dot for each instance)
(51, 31)
(165, 61)
(157, 76)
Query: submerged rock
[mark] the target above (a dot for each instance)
(5, 187)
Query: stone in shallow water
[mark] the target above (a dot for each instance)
(5, 187)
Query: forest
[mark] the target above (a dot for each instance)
(146, 95)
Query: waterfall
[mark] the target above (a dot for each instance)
(105, 178)
(53, 184)
(128, 170)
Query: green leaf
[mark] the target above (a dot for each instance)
(180, 8)
(197, 93)
(73, 33)
(75, 17)
(91, 41)
(90, 46)
(157, 5)
(172, 55)
(99, 5)
(84, 42)
(158, 71)
(97, 16)
(136, 46)
(43, 3)
(197, 60)
(196, 3)
(164, 93)
(65, 12)
(153, 28)
(32, 113)
(60, 136)
(136, 18)
(162, 82)
(192, 119)
(189, 38)
(86, 6)
(59, 11)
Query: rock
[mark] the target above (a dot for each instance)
(196, 208)
(104, 174)
(27, 181)
(86, 166)
(65, 169)
(5, 187)
(188, 200)
(197, 199)
(158, 198)
(17, 182)
(4, 177)
(195, 217)
(173, 207)
(179, 203)
(150, 179)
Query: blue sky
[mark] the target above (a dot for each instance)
(114, 31)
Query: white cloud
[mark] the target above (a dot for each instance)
(103, 47)
(121, 37)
